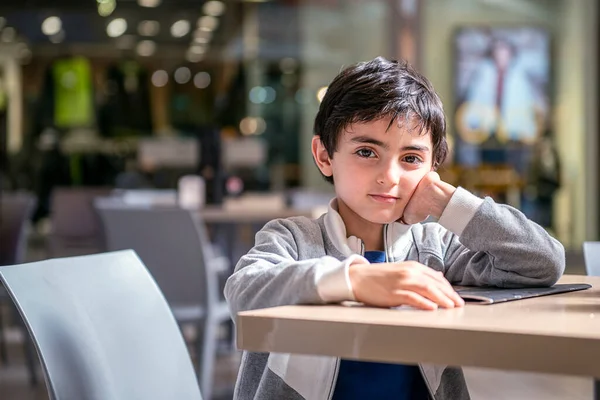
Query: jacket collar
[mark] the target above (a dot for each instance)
(397, 237)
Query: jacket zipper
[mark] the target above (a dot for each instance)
(388, 259)
(336, 371)
(385, 243)
(426, 382)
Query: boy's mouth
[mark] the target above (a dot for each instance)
(384, 198)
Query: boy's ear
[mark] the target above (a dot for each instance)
(321, 157)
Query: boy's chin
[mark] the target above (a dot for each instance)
(385, 219)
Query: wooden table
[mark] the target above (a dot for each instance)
(552, 334)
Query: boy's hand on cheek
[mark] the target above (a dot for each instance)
(405, 283)
(429, 199)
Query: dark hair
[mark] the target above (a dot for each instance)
(377, 89)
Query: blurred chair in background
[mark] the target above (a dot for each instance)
(76, 228)
(15, 211)
(174, 246)
(102, 329)
(591, 255)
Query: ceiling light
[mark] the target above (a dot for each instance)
(51, 26)
(149, 3)
(202, 80)
(106, 7)
(252, 126)
(271, 95)
(180, 28)
(148, 28)
(193, 57)
(208, 23)
(160, 78)
(182, 75)
(202, 34)
(201, 40)
(214, 8)
(146, 48)
(197, 49)
(116, 27)
(257, 94)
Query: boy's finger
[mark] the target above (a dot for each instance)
(438, 295)
(452, 295)
(410, 298)
(431, 290)
(445, 286)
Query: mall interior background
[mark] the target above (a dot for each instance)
(135, 94)
(245, 76)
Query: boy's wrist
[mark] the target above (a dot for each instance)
(442, 194)
(459, 211)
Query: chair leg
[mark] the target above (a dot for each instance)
(30, 359)
(206, 357)
(29, 351)
(3, 348)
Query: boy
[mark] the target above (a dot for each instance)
(379, 136)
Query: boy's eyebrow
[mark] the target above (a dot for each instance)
(414, 147)
(369, 140)
(385, 146)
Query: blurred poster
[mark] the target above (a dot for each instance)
(502, 93)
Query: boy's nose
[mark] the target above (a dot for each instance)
(391, 175)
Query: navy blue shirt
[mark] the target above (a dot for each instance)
(371, 380)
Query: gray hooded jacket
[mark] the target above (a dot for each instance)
(304, 261)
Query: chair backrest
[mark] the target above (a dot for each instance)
(102, 328)
(591, 255)
(73, 214)
(15, 210)
(172, 243)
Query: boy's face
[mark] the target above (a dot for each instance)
(376, 169)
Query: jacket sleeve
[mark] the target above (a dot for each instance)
(490, 244)
(272, 273)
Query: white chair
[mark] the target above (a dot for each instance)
(102, 329)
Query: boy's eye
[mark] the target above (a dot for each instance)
(366, 153)
(412, 159)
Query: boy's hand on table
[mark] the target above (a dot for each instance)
(404, 283)
(430, 198)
